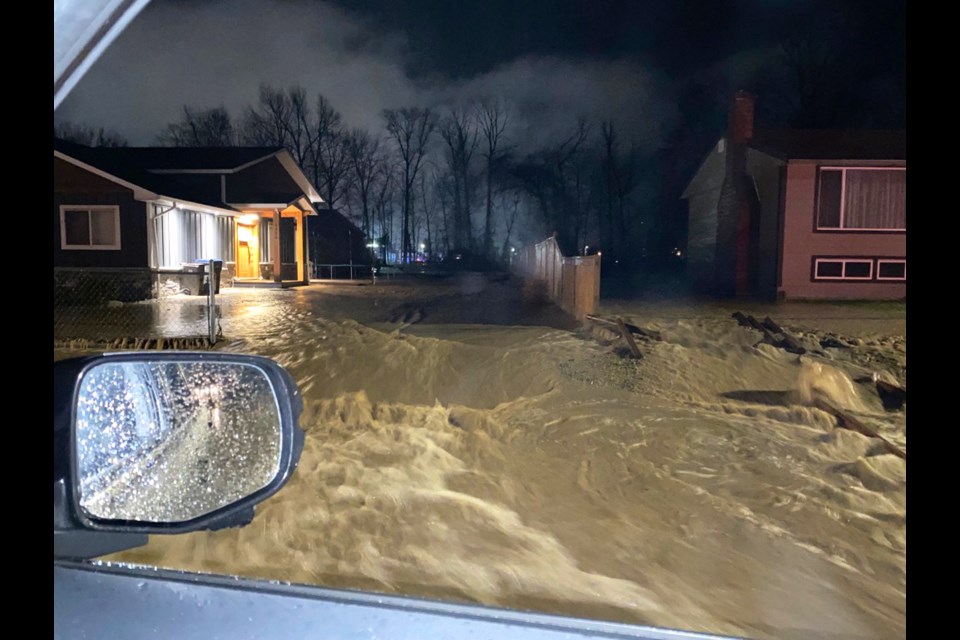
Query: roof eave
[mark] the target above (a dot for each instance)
(298, 176)
(235, 169)
(196, 206)
(688, 190)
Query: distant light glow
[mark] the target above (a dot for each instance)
(373, 245)
(248, 218)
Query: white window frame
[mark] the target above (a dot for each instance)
(843, 269)
(902, 261)
(843, 198)
(89, 208)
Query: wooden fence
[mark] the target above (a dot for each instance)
(573, 283)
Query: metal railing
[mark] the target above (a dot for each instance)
(342, 272)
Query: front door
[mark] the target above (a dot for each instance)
(248, 250)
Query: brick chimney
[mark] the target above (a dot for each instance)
(732, 276)
(741, 118)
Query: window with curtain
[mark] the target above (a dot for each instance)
(863, 199)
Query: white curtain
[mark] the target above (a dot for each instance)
(875, 199)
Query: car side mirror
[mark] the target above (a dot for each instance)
(167, 443)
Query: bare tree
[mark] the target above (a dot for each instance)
(568, 177)
(89, 136)
(441, 190)
(460, 132)
(509, 221)
(314, 137)
(410, 128)
(199, 128)
(625, 185)
(823, 88)
(429, 199)
(330, 159)
(554, 179)
(280, 119)
(385, 182)
(609, 167)
(365, 159)
(493, 120)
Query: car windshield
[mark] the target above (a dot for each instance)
(597, 308)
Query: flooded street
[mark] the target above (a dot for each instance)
(465, 440)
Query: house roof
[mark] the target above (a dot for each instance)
(335, 217)
(804, 144)
(185, 173)
(821, 144)
(166, 159)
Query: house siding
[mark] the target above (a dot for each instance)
(712, 192)
(801, 244)
(765, 172)
(75, 186)
(702, 237)
(703, 196)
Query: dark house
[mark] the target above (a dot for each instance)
(130, 221)
(799, 213)
(335, 240)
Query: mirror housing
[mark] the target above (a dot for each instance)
(78, 531)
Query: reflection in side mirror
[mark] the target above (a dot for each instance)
(168, 441)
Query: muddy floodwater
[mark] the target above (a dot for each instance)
(467, 441)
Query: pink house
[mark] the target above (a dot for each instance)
(799, 214)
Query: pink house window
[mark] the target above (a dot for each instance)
(862, 199)
(843, 269)
(892, 270)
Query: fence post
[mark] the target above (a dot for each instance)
(211, 304)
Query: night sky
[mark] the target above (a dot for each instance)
(662, 70)
(656, 67)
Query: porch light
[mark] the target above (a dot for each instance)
(248, 218)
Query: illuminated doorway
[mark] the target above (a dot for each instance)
(248, 246)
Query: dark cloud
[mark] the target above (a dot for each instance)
(218, 53)
(653, 67)
(547, 94)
